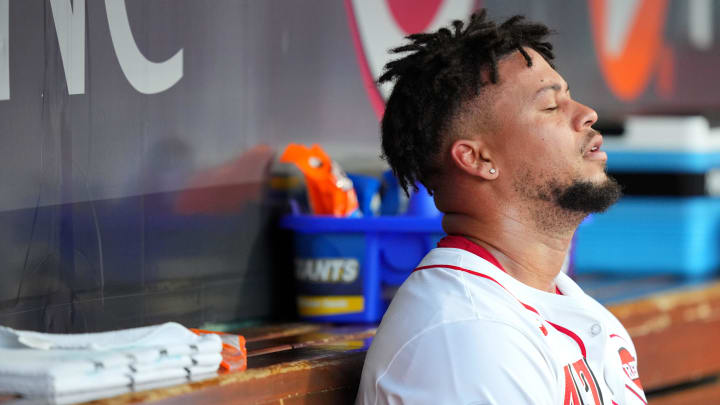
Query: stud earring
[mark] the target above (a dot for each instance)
(492, 170)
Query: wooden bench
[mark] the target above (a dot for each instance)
(287, 364)
(677, 335)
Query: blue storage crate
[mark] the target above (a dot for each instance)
(649, 161)
(342, 265)
(652, 235)
(645, 235)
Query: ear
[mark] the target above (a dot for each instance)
(473, 157)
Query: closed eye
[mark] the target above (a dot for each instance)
(551, 108)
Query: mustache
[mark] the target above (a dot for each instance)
(589, 135)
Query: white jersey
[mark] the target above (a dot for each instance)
(462, 331)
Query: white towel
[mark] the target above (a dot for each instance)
(193, 374)
(41, 365)
(167, 333)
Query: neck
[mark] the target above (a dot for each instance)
(530, 247)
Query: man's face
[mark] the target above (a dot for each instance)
(544, 138)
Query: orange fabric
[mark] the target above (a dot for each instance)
(234, 352)
(322, 177)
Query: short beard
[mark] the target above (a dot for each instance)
(569, 204)
(586, 197)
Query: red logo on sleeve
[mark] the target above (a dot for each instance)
(629, 365)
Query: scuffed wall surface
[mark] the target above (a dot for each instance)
(120, 208)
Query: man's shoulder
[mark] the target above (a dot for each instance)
(446, 290)
(450, 285)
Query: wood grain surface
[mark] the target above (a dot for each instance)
(676, 334)
(287, 364)
(677, 337)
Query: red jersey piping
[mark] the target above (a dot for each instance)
(618, 336)
(559, 328)
(572, 335)
(636, 394)
(461, 242)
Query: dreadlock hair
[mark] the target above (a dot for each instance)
(440, 75)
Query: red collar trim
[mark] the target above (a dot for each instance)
(461, 242)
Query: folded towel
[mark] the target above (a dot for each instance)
(167, 333)
(41, 365)
(192, 374)
(32, 362)
(114, 378)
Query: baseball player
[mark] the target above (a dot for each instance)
(480, 117)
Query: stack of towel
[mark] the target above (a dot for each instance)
(53, 368)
